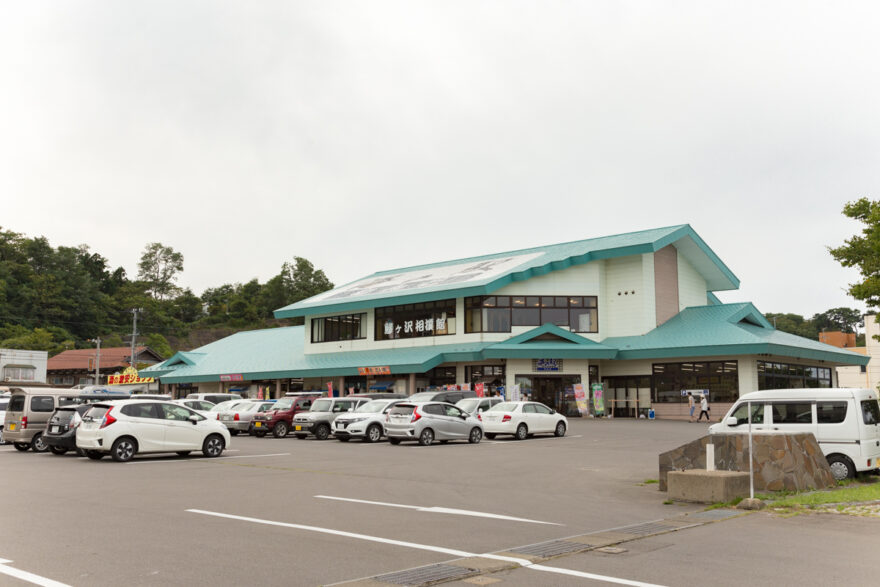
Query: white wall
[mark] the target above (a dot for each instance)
(25, 358)
(627, 313)
(691, 285)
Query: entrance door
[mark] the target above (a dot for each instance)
(557, 392)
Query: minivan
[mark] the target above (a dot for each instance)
(845, 422)
(29, 411)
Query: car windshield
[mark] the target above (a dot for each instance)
(373, 407)
(469, 404)
(283, 404)
(424, 396)
(504, 407)
(321, 405)
(222, 406)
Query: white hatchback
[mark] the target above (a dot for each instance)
(522, 419)
(125, 428)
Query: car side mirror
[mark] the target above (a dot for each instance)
(194, 419)
(731, 421)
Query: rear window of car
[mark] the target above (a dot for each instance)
(424, 396)
(97, 412)
(402, 410)
(503, 407)
(16, 404)
(42, 403)
(870, 411)
(830, 412)
(3, 405)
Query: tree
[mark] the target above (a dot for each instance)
(158, 267)
(863, 251)
(842, 319)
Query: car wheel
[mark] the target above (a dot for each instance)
(522, 432)
(490, 435)
(841, 467)
(22, 446)
(39, 444)
(213, 446)
(123, 450)
(183, 453)
(426, 437)
(322, 432)
(58, 450)
(94, 455)
(394, 440)
(300, 436)
(233, 432)
(560, 429)
(280, 430)
(374, 433)
(476, 435)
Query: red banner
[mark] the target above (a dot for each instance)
(374, 370)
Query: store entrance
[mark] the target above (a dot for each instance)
(557, 392)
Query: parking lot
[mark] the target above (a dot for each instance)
(308, 512)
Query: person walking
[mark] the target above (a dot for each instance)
(691, 405)
(704, 409)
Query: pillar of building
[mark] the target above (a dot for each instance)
(411, 385)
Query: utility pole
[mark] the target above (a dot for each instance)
(97, 341)
(134, 333)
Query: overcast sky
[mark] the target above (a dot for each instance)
(370, 135)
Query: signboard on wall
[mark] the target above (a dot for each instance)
(548, 365)
(129, 376)
(374, 370)
(232, 377)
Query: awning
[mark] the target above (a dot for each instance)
(382, 385)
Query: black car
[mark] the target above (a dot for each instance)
(60, 432)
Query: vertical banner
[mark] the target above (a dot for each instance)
(598, 399)
(479, 389)
(329, 389)
(580, 397)
(260, 392)
(515, 394)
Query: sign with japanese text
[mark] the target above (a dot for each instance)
(548, 364)
(515, 395)
(580, 397)
(232, 377)
(598, 398)
(409, 328)
(374, 370)
(128, 377)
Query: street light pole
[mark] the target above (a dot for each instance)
(97, 341)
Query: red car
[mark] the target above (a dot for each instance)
(279, 420)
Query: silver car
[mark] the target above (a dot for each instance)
(367, 422)
(430, 421)
(240, 417)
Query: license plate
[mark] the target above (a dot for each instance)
(257, 424)
(11, 427)
(53, 430)
(297, 427)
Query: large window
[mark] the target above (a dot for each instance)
(333, 328)
(19, 373)
(719, 377)
(415, 320)
(500, 313)
(785, 376)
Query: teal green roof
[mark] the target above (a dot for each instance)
(725, 330)
(482, 275)
(549, 342)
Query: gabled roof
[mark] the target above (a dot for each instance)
(549, 342)
(725, 330)
(476, 276)
(111, 358)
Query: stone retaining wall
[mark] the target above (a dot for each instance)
(792, 462)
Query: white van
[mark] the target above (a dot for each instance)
(845, 422)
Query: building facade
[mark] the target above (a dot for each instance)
(78, 366)
(636, 313)
(22, 366)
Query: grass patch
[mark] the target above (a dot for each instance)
(649, 482)
(849, 494)
(727, 504)
(668, 502)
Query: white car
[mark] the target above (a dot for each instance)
(4, 401)
(522, 419)
(125, 428)
(366, 422)
(201, 406)
(224, 407)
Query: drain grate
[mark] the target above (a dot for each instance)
(649, 528)
(718, 514)
(554, 548)
(422, 575)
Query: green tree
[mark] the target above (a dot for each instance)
(863, 251)
(159, 343)
(842, 319)
(158, 267)
(794, 324)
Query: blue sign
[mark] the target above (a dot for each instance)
(547, 364)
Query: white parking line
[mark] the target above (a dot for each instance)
(459, 553)
(440, 510)
(514, 442)
(184, 460)
(29, 577)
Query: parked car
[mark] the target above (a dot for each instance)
(430, 421)
(366, 422)
(199, 405)
(845, 422)
(241, 417)
(60, 433)
(450, 397)
(4, 401)
(151, 396)
(379, 395)
(215, 398)
(478, 405)
(523, 419)
(27, 413)
(125, 428)
(224, 407)
(319, 419)
(279, 420)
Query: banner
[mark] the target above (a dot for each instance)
(580, 397)
(329, 389)
(479, 389)
(514, 394)
(598, 399)
(128, 377)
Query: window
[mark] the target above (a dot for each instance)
(529, 409)
(721, 378)
(452, 411)
(434, 409)
(177, 413)
(742, 414)
(792, 413)
(140, 410)
(830, 412)
(785, 376)
(500, 313)
(21, 373)
(415, 320)
(42, 403)
(336, 328)
(870, 411)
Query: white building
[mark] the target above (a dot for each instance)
(18, 366)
